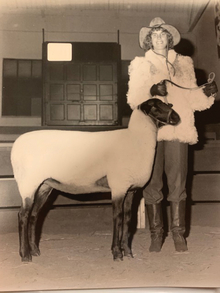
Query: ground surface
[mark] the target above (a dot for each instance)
(73, 257)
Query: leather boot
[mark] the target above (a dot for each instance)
(178, 210)
(154, 212)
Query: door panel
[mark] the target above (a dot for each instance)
(90, 112)
(57, 112)
(73, 113)
(56, 92)
(106, 112)
(56, 71)
(106, 92)
(73, 72)
(106, 72)
(73, 92)
(89, 92)
(89, 72)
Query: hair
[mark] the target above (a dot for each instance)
(147, 43)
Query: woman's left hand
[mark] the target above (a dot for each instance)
(210, 89)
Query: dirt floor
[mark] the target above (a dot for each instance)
(73, 257)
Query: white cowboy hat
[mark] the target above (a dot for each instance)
(159, 22)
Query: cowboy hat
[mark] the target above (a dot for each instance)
(159, 22)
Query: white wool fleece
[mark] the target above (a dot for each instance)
(151, 69)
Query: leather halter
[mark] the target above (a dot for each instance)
(158, 121)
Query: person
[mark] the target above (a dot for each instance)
(149, 77)
(217, 32)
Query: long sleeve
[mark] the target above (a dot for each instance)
(139, 82)
(196, 98)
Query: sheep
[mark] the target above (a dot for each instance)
(78, 162)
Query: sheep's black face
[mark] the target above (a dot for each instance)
(160, 112)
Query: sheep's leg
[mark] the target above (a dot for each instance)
(23, 219)
(40, 198)
(117, 205)
(125, 245)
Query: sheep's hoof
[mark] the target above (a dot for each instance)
(128, 254)
(26, 259)
(127, 251)
(35, 253)
(34, 250)
(117, 255)
(25, 255)
(117, 258)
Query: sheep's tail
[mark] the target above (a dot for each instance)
(18, 168)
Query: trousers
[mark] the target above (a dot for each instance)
(171, 158)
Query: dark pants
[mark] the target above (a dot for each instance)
(172, 158)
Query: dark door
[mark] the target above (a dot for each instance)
(81, 93)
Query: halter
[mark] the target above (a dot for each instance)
(158, 122)
(156, 119)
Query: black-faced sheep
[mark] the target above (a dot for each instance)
(80, 162)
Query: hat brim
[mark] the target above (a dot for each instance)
(171, 29)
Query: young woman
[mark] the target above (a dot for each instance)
(150, 76)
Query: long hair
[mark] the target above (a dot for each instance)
(147, 43)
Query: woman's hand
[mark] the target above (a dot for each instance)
(210, 89)
(159, 89)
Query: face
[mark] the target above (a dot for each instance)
(160, 112)
(159, 40)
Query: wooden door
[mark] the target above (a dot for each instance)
(81, 93)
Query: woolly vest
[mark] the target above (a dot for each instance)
(153, 68)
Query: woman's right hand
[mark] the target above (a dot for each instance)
(159, 89)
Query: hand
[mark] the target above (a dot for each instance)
(159, 89)
(210, 89)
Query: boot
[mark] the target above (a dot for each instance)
(154, 212)
(178, 224)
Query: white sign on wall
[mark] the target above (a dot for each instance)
(59, 52)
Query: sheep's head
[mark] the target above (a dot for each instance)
(160, 112)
